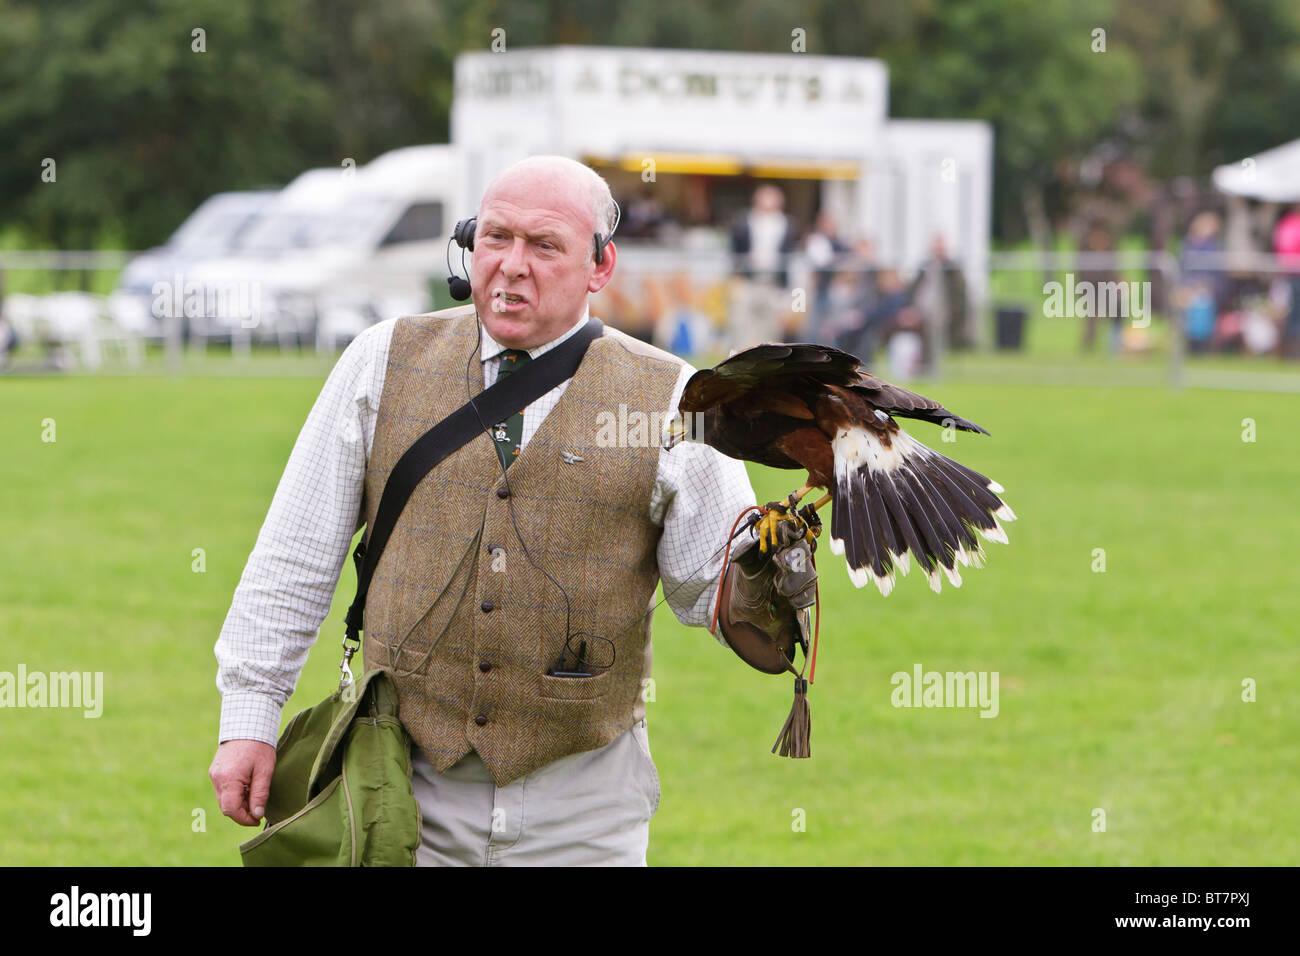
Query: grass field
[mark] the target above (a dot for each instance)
(1120, 690)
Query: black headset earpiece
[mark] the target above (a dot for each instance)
(602, 241)
(463, 236)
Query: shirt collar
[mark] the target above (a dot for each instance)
(492, 348)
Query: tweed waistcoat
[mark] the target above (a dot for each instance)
(457, 610)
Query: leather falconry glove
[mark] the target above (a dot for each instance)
(761, 598)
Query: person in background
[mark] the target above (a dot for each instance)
(844, 314)
(846, 325)
(683, 328)
(825, 251)
(880, 318)
(1204, 285)
(8, 336)
(1097, 239)
(645, 215)
(1201, 245)
(761, 242)
(939, 294)
(864, 260)
(1286, 245)
(907, 344)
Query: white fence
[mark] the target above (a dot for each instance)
(690, 296)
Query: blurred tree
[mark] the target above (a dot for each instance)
(140, 124)
(1029, 68)
(1183, 55)
(388, 66)
(143, 126)
(1255, 104)
(144, 119)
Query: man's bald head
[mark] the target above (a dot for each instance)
(582, 179)
(534, 245)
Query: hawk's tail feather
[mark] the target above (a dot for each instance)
(860, 531)
(957, 537)
(892, 502)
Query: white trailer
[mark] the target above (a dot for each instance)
(741, 117)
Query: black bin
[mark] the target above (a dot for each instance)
(1009, 328)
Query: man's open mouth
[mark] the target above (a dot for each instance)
(501, 298)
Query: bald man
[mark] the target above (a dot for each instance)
(531, 553)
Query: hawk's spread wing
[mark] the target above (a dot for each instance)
(767, 367)
(788, 404)
(802, 368)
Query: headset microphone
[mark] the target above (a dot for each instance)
(459, 288)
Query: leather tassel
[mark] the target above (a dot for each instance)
(795, 736)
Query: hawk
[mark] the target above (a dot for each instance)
(800, 405)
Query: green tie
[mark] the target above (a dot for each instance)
(509, 434)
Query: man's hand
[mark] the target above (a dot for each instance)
(241, 774)
(795, 578)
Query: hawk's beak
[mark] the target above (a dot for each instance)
(674, 431)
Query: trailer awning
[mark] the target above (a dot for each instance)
(716, 164)
(1271, 176)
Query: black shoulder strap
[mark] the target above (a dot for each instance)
(509, 395)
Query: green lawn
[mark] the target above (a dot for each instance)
(1119, 690)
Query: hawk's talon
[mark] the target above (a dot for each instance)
(773, 514)
(812, 520)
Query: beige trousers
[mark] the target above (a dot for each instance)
(586, 809)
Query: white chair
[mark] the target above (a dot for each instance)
(132, 322)
(73, 318)
(23, 313)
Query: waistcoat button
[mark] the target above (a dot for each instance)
(487, 606)
(480, 720)
(484, 666)
(503, 492)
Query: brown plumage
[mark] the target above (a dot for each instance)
(799, 405)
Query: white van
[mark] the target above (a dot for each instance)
(340, 249)
(214, 229)
(222, 295)
(341, 254)
(384, 253)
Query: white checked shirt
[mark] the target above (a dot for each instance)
(285, 592)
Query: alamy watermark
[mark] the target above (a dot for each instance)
(634, 428)
(83, 689)
(1083, 299)
(75, 908)
(946, 689)
(232, 300)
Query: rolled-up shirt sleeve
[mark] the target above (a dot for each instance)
(288, 583)
(698, 494)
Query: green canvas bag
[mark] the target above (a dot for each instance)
(341, 790)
